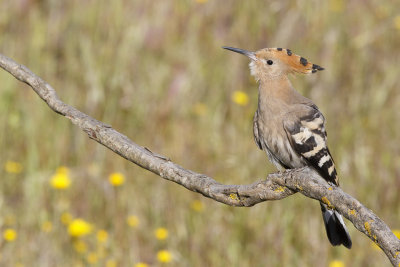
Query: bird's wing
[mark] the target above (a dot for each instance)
(306, 132)
(255, 130)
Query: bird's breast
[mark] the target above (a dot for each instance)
(274, 142)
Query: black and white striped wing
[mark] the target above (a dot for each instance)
(308, 138)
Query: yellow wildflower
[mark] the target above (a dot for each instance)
(197, 205)
(60, 180)
(12, 167)
(92, 258)
(79, 227)
(161, 233)
(111, 263)
(66, 218)
(102, 236)
(336, 263)
(396, 232)
(240, 98)
(141, 264)
(116, 179)
(9, 235)
(201, 1)
(132, 221)
(164, 256)
(47, 226)
(80, 246)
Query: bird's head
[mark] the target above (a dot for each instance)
(272, 63)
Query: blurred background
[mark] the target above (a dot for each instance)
(155, 71)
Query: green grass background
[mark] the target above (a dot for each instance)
(146, 67)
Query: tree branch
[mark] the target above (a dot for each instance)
(276, 186)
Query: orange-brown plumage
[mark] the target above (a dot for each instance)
(295, 63)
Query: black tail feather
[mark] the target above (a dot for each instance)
(335, 227)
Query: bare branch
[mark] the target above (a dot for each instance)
(276, 186)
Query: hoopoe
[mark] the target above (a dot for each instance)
(289, 127)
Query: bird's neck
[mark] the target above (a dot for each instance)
(278, 89)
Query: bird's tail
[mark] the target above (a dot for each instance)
(335, 227)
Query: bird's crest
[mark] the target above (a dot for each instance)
(295, 62)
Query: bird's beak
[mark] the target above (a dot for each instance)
(249, 54)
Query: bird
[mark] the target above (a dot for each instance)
(290, 128)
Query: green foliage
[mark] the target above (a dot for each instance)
(155, 71)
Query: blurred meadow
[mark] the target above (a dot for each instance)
(155, 71)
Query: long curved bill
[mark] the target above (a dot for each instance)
(249, 54)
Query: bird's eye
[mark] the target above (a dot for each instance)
(270, 62)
